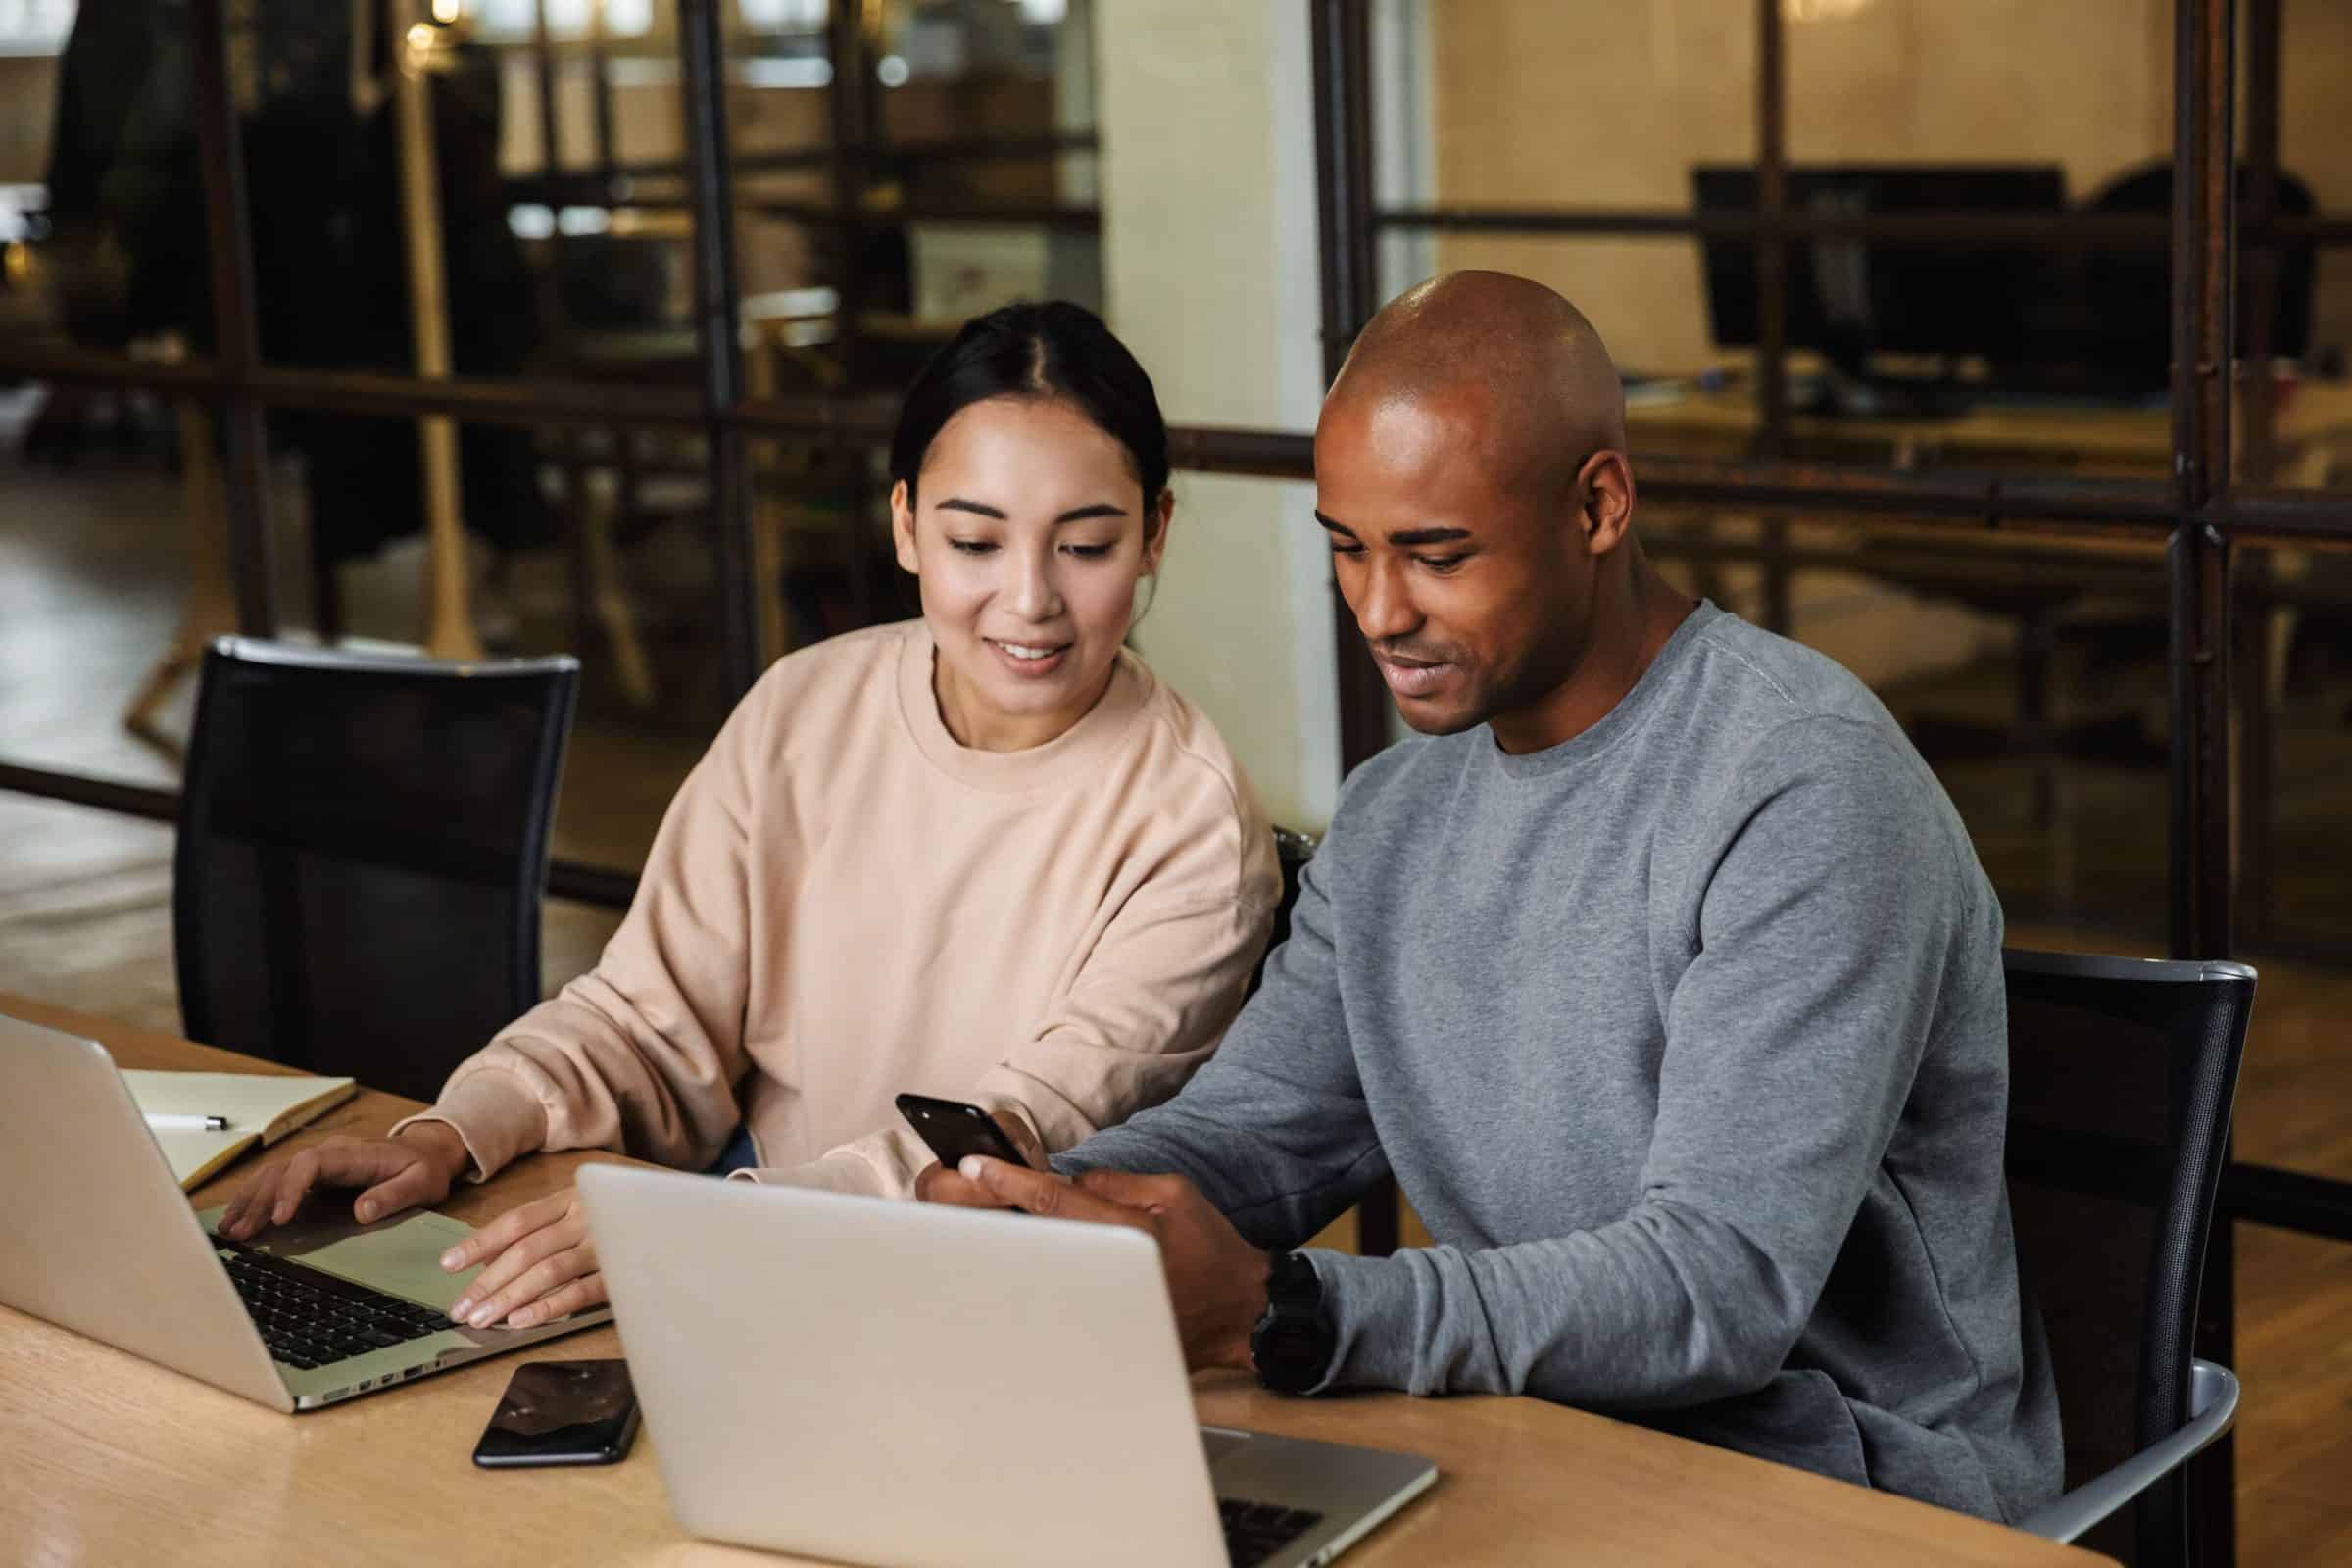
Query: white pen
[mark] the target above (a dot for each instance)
(169, 1122)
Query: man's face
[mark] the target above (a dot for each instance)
(1470, 583)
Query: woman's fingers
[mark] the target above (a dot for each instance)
(540, 1279)
(508, 1229)
(578, 1295)
(276, 1192)
(294, 1186)
(242, 1216)
(522, 1271)
(411, 1187)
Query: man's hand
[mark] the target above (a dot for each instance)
(935, 1185)
(1216, 1280)
(410, 1171)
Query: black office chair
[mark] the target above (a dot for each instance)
(1293, 848)
(2128, 291)
(362, 854)
(2121, 1074)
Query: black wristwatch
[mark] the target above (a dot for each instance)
(1293, 1342)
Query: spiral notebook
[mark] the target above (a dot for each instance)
(260, 1108)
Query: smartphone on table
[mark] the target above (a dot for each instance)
(561, 1412)
(954, 1129)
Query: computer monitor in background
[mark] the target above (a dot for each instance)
(1850, 299)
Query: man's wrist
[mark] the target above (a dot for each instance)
(1251, 1310)
(1295, 1344)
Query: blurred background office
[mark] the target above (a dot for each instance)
(1848, 252)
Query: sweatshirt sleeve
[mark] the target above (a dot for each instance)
(1274, 1130)
(641, 1055)
(1791, 1043)
(1146, 1009)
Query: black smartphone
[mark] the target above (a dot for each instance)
(954, 1129)
(561, 1412)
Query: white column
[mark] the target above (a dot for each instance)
(1205, 114)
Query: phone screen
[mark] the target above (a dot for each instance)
(954, 1129)
(561, 1412)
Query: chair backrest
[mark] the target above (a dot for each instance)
(1293, 848)
(2122, 1072)
(2129, 290)
(361, 852)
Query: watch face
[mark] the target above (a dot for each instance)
(1292, 1357)
(1295, 1341)
(1293, 1353)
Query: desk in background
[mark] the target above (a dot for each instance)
(112, 1460)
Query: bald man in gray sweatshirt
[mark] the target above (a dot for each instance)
(1661, 974)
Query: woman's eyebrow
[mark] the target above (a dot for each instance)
(958, 504)
(1099, 509)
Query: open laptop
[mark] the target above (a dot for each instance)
(96, 1236)
(896, 1383)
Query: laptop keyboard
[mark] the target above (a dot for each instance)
(308, 1317)
(1257, 1530)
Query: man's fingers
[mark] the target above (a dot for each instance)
(1041, 1192)
(939, 1185)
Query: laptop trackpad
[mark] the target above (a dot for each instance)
(401, 1255)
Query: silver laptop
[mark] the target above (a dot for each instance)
(98, 1237)
(895, 1383)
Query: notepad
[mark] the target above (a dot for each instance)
(261, 1108)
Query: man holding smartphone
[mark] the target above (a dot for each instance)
(1660, 972)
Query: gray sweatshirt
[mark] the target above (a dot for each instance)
(1687, 1040)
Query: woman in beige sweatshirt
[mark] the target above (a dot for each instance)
(983, 854)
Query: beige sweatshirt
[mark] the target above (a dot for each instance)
(843, 903)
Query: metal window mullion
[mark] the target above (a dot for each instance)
(236, 330)
(701, 49)
(1340, 48)
(2203, 340)
(2254, 738)
(2203, 304)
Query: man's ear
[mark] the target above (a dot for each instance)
(1605, 484)
(901, 527)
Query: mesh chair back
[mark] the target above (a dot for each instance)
(2121, 1078)
(1292, 850)
(362, 854)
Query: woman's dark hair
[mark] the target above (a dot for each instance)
(1054, 350)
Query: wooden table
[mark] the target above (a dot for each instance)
(110, 1459)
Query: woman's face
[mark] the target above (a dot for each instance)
(1027, 533)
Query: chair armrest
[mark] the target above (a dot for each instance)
(2212, 1407)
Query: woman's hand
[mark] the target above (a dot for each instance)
(410, 1171)
(541, 1265)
